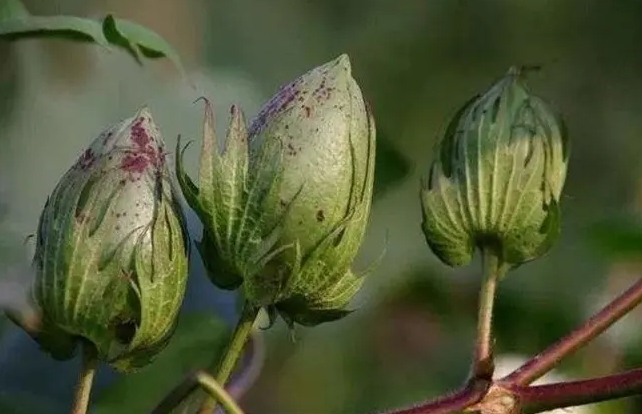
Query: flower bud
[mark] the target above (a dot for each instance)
(285, 205)
(497, 178)
(111, 259)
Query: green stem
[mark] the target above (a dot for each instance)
(217, 391)
(85, 380)
(233, 352)
(493, 270)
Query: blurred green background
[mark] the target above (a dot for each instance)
(416, 62)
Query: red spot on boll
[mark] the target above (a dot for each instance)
(134, 163)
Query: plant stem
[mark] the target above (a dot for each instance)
(472, 393)
(233, 352)
(216, 391)
(540, 398)
(535, 399)
(493, 270)
(177, 395)
(89, 362)
(540, 364)
(187, 391)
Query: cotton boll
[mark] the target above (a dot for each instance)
(48, 131)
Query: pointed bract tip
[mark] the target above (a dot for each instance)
(144, 112)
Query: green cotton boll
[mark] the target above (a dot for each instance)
(497, 178)
(286, 203)
(111, 252)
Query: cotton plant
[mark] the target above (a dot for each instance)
(282, 203)
(115, 88)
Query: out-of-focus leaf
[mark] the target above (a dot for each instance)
(68, 27)
(391, 166)
(12, 9)
(198, 338)
(422, 288)
(528, 326)
(17, 23)
(139, 41)
(9, 87)
(619, 237)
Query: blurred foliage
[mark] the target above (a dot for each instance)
(416, 62)
(17, 23)
(8, 81)
(618, 237)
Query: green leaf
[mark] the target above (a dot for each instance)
(17, 23)
(12, 9)
(618, 236)
(139, 41)
(197, 340)
(66, 27)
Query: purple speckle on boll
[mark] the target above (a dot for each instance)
(86, 160)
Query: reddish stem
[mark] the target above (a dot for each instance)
(546, 397)
(535, 399)
(457, 401)
(540, 364)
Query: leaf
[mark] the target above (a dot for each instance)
(139, 41)
(66, 27)
(17, 23)
(198, 338)
(619, 236)
(12, 9)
